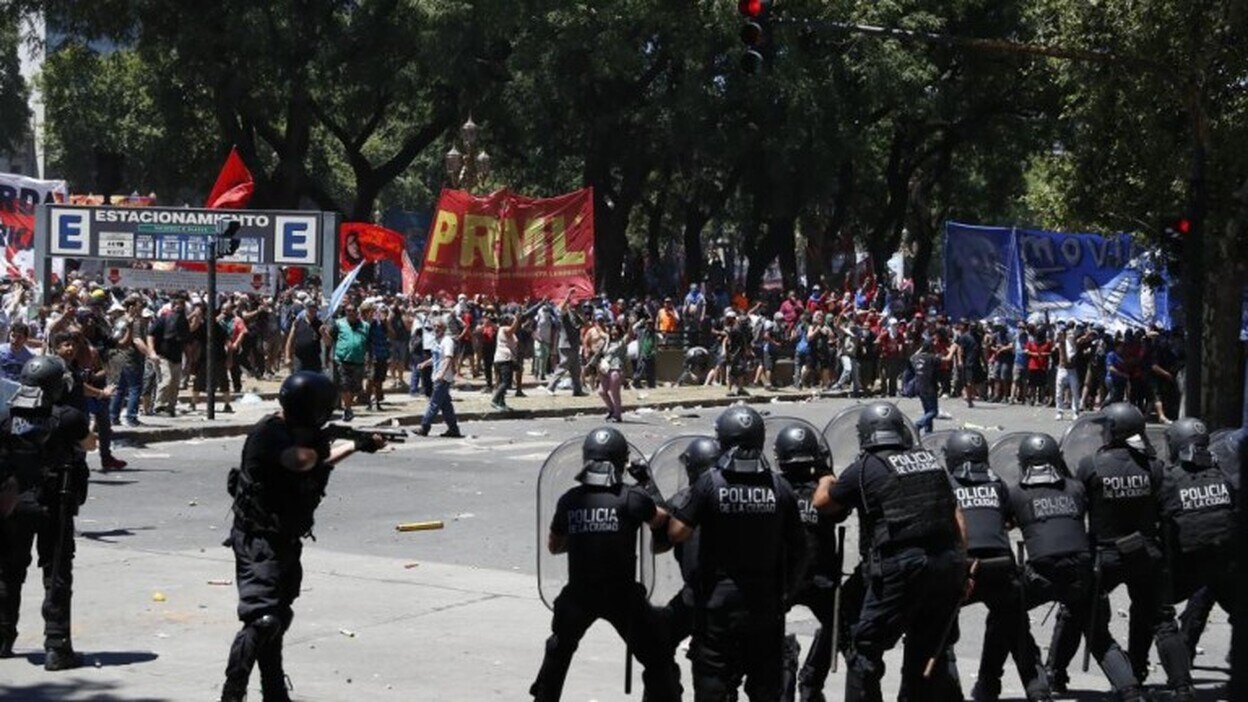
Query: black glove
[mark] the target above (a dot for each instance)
(368, 443)
(640, 472)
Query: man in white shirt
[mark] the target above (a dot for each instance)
(443, 364)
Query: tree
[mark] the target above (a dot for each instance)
(14, 93)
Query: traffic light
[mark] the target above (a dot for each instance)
(1174, 233)
(755, 13)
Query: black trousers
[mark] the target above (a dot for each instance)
(1007, 631)
(32, 525)
(268, 574)
(737, 638)
(917, 593)
(1151, 618)
(1203, 579)
(626, 610)
(819, 596)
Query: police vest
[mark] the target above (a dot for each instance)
(279, 501)
(914, 506)
(1200, 504)
(1122, 495)
(983, 504)
(820, 534)
(742, 541)
(1051, 518)
(30, 457)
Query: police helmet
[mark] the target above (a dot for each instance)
(1122, 422)
(799, 453)
(882, 425)
(307, 399)
(740, 427)
(44, 382)
(699, 456)
(966, 452)
(1188, 441)
(603, 456)
(1040, 459)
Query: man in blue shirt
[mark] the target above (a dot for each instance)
(15, 354)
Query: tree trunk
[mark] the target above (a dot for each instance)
(781, 232)
(695, 222)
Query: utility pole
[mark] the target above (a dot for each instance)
(225, 237)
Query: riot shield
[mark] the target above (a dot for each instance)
(1084, 437)
(670, 475)
(935, 441)
(776, 424)
(841, 435)
(558, 475)
(1003, 456)
(1224, 445)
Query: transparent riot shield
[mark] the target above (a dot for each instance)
(1224, 445)
(776, 424)
(1084, 437)
(935, 441)
(841, 435)
(671, 477)
(1003, 456)
(557, 476)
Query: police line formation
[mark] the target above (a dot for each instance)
(749, 543)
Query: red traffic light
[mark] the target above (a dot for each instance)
(753, 8)
(1183, 226)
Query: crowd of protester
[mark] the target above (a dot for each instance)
(143, 352)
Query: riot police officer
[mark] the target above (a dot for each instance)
(44, 474)
(1049, 508)
(286, 463)
(916, 570)
(1198, 509)
(803, 459)
(985, 503)
(751, 551)
(596, 524)
(1123, 483)
(677, 616)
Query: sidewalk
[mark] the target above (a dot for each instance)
(472, 402)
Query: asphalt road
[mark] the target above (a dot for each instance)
(164, 519)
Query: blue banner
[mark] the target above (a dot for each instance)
(1085, 277)
(981, 272)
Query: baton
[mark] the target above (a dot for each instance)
(944, 636)
(628, 643)
(836, 598)
(63, 514)
(1096, 601)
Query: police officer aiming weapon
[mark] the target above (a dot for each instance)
(286, 464)
(41, 460)
(342, 432)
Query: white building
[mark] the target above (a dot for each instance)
(28, 159)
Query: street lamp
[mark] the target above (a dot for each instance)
(469, 168)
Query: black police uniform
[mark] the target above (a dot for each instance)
(1123, 486)
(600, 525)
(985, 503)
(817, 589)
(1198, 508)
(751, 544)
(677, 615)
(39, 448)
(273, 511)
(915, 573)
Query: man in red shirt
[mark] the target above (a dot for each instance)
(1039, 350)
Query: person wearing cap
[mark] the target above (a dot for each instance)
(303, 342)
(166, 342)
(130, 333)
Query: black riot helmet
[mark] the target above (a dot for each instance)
(44, 383)
(1122, 422)
(966, 455)
(307, 399)
(699, 456)
(740, 427)
(1040, 460)
(882, 425)
(1188, 442)
(801, 455)
(603, 456)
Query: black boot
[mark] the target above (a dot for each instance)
(274, 685)
(61, 658)
(7, 636)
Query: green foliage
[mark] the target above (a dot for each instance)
(14, 114)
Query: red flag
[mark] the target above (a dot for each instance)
(361, 241)
(234, 184)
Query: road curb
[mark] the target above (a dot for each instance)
(166, 434)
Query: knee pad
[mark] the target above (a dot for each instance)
(267, 627)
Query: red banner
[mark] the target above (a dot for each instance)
(361, 241)
(510, 246)
(19, 196)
